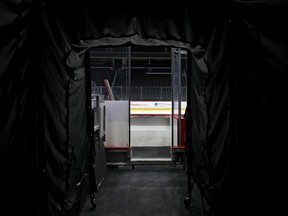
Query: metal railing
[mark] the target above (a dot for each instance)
(138, 93)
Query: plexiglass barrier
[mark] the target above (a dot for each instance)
(141, 91)
(117, 123)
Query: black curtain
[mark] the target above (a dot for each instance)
(18, 119)
(66, 134)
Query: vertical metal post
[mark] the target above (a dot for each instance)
(188, 123)
(176, 91)
(129, 101)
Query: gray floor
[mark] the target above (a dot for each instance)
(151, 152)
(143, 191)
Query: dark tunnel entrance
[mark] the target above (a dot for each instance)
(139, 98)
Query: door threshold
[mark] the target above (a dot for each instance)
(150, 159)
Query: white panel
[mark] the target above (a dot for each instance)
(150, 131)
(117, 110)
(117, 123)
(175, 131)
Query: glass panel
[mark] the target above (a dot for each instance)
(179, 67)
(109, 83)
(150, 104)
(134, 88)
